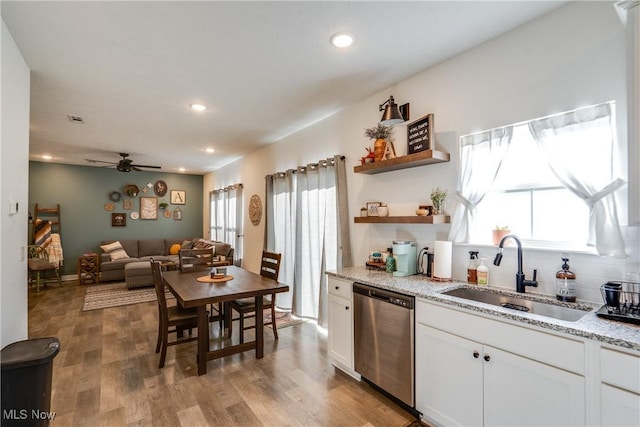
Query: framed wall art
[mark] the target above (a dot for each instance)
(420, 134)
(118, 219)
(148, 208)
(178, 197)
(127, 204)
(372, 208)
(177, 214)
(160, 188)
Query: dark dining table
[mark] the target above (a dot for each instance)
(191, 293)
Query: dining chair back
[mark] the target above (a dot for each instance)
(246, 307)
(170, 318)
(195, 258)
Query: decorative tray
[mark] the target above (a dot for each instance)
(209, 279)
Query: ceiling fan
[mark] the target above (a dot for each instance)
(124, 165)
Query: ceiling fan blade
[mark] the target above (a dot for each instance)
(133, 167)
(145, 166)
(101, 161)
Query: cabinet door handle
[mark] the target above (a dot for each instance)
(487, 357)
(337, 288)
(346, 307)
(476, 354)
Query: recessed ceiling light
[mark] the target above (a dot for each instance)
(342, 39)
(198, 107)
(210, 150)
(47, 156)
(181, 169)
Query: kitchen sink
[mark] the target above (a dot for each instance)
(516, 303)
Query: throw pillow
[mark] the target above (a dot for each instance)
(187, 244)
(175, 249)
(204, 244)
(115, 251)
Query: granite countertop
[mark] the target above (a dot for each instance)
(589, 326)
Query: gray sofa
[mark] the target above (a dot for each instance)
(144, 250)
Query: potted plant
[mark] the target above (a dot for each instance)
(499, 232)
(437, 199)
(163, 205)
(380, 133)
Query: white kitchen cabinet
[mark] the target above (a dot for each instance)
(340, 325)
(619, 388)
(520, 391)
(448, 378)
(464, 381)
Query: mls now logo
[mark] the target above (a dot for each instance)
(24, 414)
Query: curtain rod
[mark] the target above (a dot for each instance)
(304, 167)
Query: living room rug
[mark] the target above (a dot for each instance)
(115, 295)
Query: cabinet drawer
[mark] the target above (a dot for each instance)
(620, 369)
(554, 350)
(340, 287)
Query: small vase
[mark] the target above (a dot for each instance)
(378, 149)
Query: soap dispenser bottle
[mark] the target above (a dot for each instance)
(390, 265)
(472, 269)
(565, 283)
(483, 272)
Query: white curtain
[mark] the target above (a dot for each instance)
(226, 218)
(579, 148)
(488, 149)
(307, 221)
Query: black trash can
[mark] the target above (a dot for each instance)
(27, 369)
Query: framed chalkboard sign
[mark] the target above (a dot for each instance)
(420, 134)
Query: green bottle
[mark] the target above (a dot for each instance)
(391, 261)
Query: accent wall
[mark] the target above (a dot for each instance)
(83, 193)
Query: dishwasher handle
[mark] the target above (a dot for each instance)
(383, 295)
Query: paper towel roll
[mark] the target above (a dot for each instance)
(442, 255)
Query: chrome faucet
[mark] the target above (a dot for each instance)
(521, 282)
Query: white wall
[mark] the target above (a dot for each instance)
(14, 158)
(573, 57)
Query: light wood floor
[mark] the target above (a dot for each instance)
(106, 374)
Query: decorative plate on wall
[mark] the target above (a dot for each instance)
(134, 215)
(255, 209)
(109, 206)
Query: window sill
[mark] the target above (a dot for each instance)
(584, 250)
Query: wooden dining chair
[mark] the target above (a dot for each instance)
(195, 258)
(171, 319)
(201, 259)
(38, 263)
(246, 307)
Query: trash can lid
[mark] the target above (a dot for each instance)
(36, 351)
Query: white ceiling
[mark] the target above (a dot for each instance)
(265, 69)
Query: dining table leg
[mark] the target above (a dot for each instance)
(259, 328)
(203, 339)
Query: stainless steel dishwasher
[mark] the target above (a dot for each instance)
(384, 337)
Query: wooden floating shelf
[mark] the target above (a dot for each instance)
(446, 219)
(427, 157)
